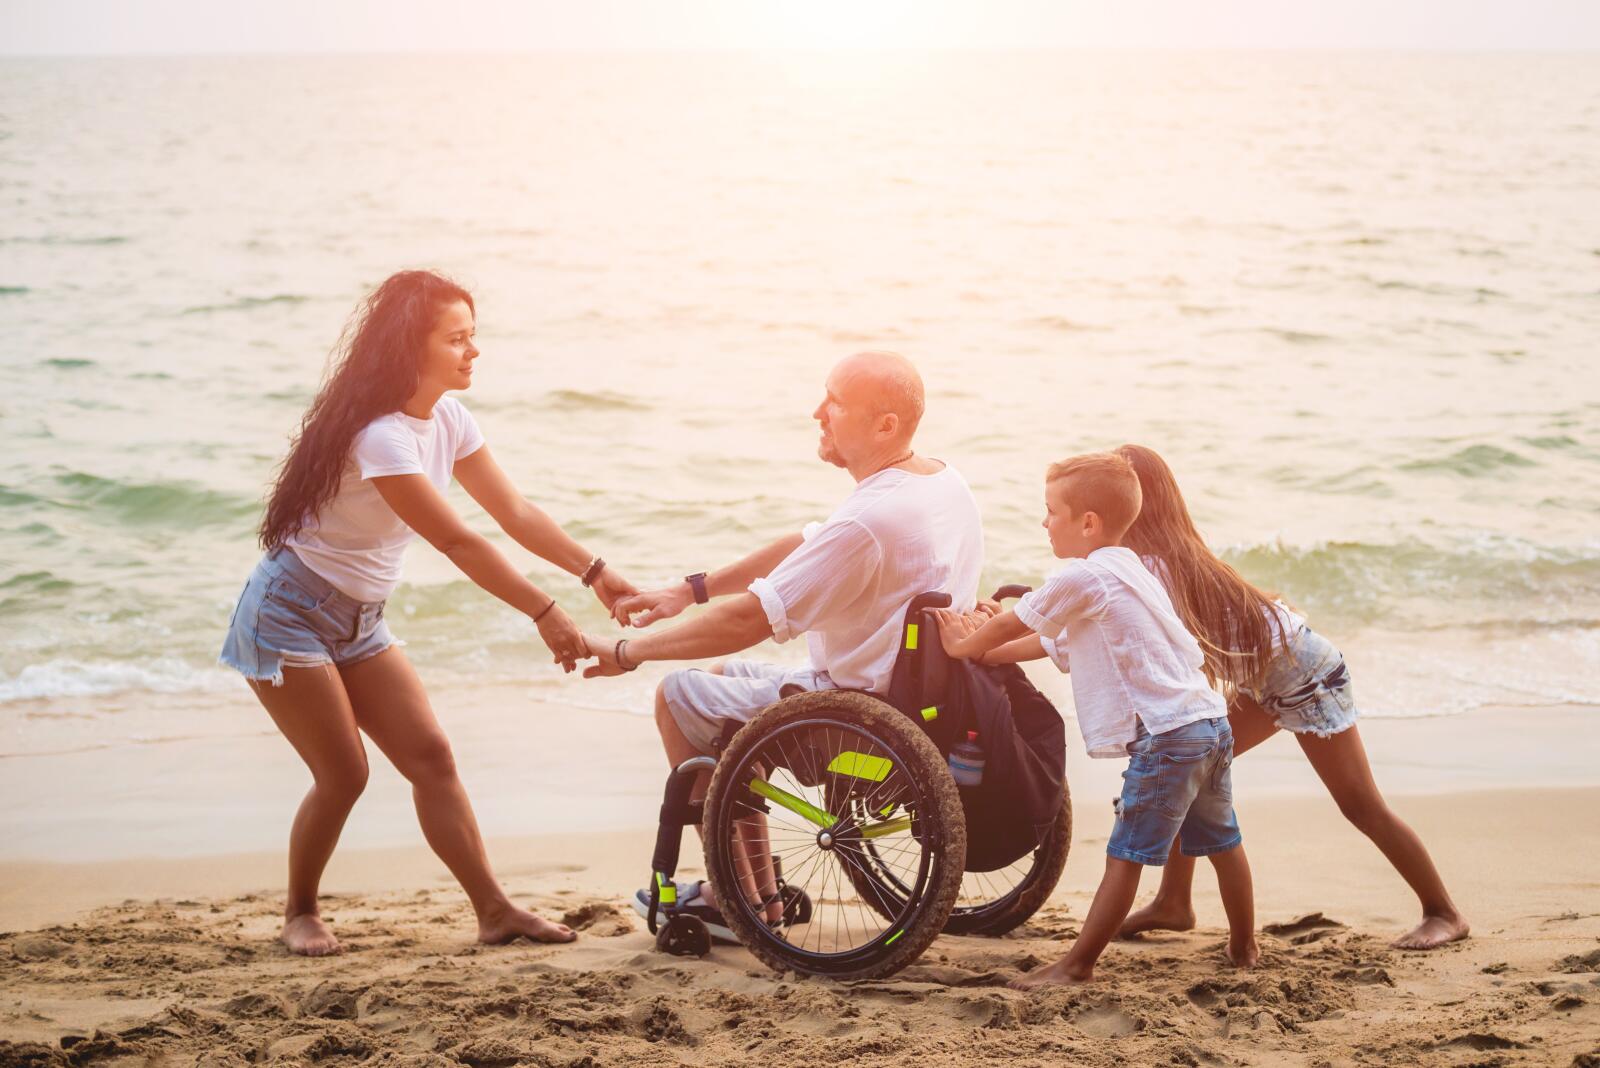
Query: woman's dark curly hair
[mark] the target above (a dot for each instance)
(374, 371)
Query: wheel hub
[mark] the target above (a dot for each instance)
(825, 839)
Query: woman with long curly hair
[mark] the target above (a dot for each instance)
(364, 476)
(1279, 674)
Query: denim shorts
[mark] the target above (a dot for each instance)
(288, 615)
(1178, 785)
(1307, 688)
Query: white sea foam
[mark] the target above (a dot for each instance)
(76, 678)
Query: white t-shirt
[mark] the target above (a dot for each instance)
(1131, 657)
(356, 541)
(847, 587)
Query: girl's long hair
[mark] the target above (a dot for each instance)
(1232, 618)
(373, 371)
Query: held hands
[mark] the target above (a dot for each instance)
(611, 587)
(562, 637)
(643, 609)
(604, 652)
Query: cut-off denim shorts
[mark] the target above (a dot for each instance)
(290, 616)
(1179, 784)
(1307, 688)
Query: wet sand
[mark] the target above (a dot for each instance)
(173, 960)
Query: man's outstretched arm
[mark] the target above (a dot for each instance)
(725, 628)
(643, 609)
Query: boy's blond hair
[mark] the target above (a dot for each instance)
(1103, 483)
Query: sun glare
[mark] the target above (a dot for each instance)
(845, 23)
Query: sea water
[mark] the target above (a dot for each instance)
(1353, 299)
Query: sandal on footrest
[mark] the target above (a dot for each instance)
(690, 904)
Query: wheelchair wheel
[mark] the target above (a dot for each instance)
(813, 780)
(994, 902)
(989, 902)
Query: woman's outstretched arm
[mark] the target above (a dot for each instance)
(531, 526)
(423, 508)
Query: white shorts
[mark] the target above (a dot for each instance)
(702, 704)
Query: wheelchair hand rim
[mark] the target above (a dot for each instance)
(931, 844)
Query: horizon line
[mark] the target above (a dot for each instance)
(815, 50)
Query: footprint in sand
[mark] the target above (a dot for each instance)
(599, 918)
(1480, 1040)
(1579, 963)
(1106, 1021)
(1205, 996)
(1312, 927)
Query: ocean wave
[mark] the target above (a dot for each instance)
(1478, 581)
(246, 304)
(1474, 461)
(70, 363)
(80, 678)
(36, 582)
(155, 502)
(13, 291)
(11, 498)
(602, 400)
(1062, 323)
(63, 239)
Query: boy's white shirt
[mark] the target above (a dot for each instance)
(1130, 655)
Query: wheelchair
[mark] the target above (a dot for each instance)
(853, 828)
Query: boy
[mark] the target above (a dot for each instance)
(1139, 691)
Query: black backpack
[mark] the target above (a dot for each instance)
(1022, 735)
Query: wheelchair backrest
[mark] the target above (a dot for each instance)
(921, 671)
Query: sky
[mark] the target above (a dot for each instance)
(99, 27)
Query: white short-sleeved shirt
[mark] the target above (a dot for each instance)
(846, 588)
(355, 540)
(1131, 658)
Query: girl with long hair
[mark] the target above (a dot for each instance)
(365, 474)
(1279, 674)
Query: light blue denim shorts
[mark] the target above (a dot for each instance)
(1307, 688)
(1179, 785)
(288, 615)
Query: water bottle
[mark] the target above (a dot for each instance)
(966, 761)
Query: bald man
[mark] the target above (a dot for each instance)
(910, 526)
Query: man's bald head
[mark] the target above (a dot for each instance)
(872, 408)
(887, 383)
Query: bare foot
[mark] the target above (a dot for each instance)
(1245, 955)
(1061, 973)
(1157, 917)
(1433, 932)
(511, 922)
(308, 936)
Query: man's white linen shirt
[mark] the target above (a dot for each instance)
(1131, 657)
(847, 586)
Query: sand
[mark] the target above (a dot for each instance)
(173, 962)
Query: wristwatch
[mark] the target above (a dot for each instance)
(697, 583)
